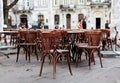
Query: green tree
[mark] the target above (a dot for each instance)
(6, 9)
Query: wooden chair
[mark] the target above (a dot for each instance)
(51, 46)
(13, 36)
(61, 52)
(94, 38)
(28, 40)
(106, 41)
(46, 50)
(39, 40)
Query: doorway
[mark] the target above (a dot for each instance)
(23, 19)
(98, 23)
(40, 21)
(68, 21)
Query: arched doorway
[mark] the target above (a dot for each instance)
(40, 21)
(68, 21)
(98, 19)
(23, 19)
(56, 21)
(80, 17)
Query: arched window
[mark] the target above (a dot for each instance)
(68, 21)
(80, 17)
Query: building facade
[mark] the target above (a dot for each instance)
(61, 13)
(1, 15)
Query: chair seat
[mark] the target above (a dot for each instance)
(59, 51)
(93, 39)
(28, 44)
(62, 51)
(85, 45)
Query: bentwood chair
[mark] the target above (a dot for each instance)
(51, 46)
(46, 50)
(13, 36)
(94, 39)
(63, 52)
(28, 41)
(106, 41)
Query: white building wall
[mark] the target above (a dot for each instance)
(1, 15)
(49, 10)
(116, 17)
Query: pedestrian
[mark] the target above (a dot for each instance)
(107, 25)
(84, 24)
(22, 26)
(80, 26)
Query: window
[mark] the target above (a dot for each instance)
(56, 2)
(98, 0)
(43, 2)
(80, 17)
(71, 2)
(81, 1)
(56, 19)
(41, 20)
(27, 3)
(65, 2)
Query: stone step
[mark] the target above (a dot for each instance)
(106, 54)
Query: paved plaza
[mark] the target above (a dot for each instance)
(24, 72)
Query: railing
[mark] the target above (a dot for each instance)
(67, 7)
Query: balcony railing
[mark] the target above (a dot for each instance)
(67, 7)
(106, 2)
(21, 9)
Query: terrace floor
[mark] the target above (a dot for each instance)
(24, 72)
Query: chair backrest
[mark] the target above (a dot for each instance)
(94, 37)
(46, 42)
(39, 34)
(64, 36)
(105, 33)
(56, 39)
(32, 36)
(22, 36)
(28, 36)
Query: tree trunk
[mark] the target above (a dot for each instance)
(6, 9)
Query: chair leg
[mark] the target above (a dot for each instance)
(68, 61)
(62, 58)
(89, 63)
(36, 53)
(93, 59)
(18, 50)
(29, 53)
(26, 53)
(54, 66)
(90, 57)
(77, 61)
(79, 57)
(100, 58)
(42, 62)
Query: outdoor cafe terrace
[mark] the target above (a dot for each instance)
(79, 56)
